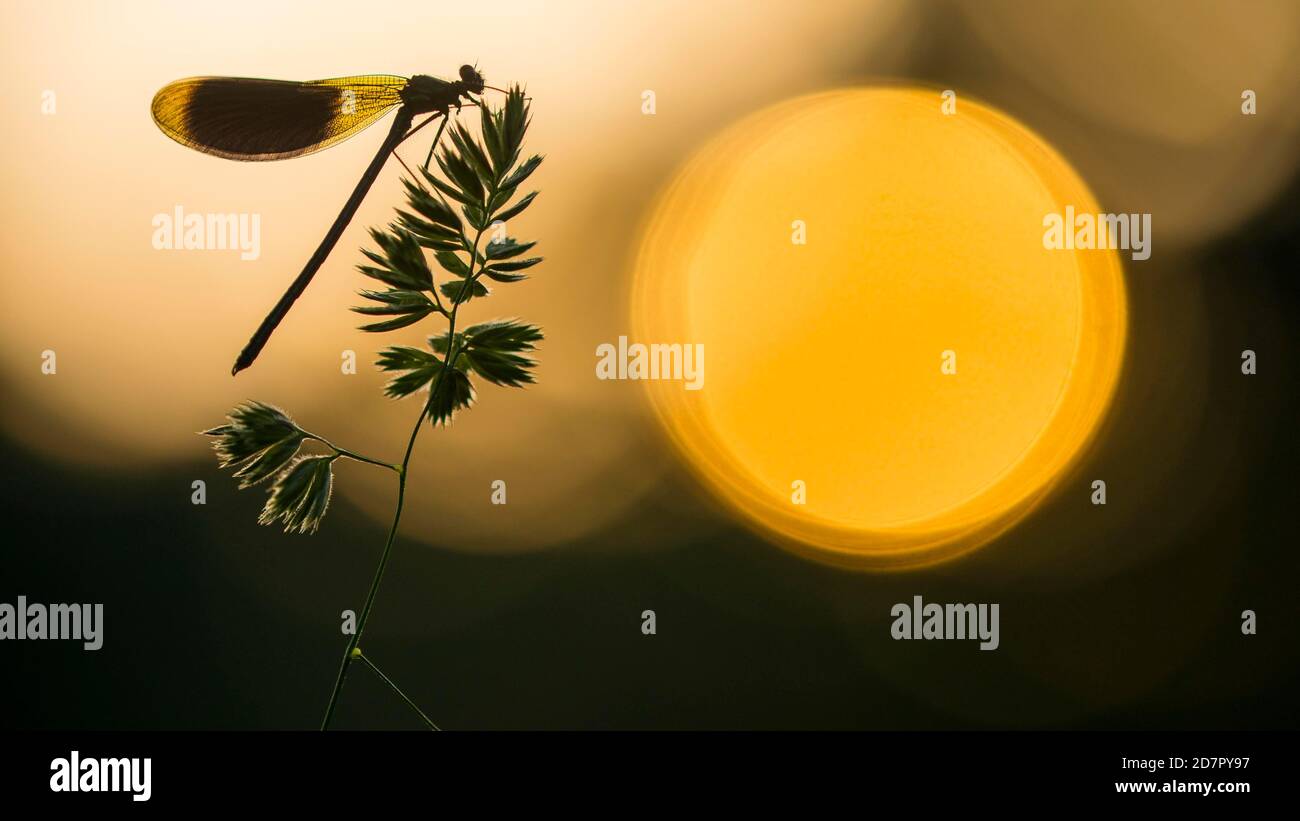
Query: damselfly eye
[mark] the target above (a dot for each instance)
(470, 77)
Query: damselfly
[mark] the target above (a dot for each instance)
(241, 118)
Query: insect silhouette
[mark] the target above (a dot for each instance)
(253, 120)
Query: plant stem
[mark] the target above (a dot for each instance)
(434, 144)
(374, 584)
(362, 656)
(402, 472)
(349, 454)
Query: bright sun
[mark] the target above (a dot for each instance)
(825, 417)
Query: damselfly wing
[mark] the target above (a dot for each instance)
(240, 118)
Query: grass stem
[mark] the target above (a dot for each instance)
(402, 472)
(364, 659)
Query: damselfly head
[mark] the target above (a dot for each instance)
(471, 79)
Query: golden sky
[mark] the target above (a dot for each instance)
(144, 338)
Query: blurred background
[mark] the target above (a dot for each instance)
(528, 615)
